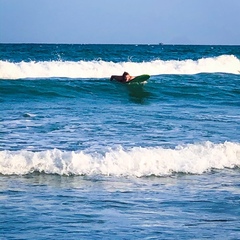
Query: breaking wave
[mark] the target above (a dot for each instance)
(104, 69)
(138, 162)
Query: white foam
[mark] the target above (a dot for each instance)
(193, 158)
(103, 69)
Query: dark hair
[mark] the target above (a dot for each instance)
(125, 73)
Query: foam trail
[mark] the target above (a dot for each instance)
(139, 162)
(103, 69)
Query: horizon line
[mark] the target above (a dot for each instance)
(155, 44)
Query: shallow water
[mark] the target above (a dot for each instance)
(180, 206)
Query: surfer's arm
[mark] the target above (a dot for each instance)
(117, 78)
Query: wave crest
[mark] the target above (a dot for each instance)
(103, 69)
(139, 162)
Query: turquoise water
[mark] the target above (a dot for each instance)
(82, 157)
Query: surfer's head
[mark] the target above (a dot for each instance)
(126, 76)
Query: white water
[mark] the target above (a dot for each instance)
(102, 69)
(192, 158)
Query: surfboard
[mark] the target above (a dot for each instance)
(140, 78)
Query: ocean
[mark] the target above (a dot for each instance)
(83, 157)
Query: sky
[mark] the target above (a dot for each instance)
(120, 21)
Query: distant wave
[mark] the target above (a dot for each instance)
(139, 162)
(103, 69)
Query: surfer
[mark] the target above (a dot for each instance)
(126, 77)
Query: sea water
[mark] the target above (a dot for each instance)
(83, 157)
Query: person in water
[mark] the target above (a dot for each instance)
(126, 77)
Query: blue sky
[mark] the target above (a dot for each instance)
(120, 21)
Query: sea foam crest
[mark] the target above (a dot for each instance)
(103, 69)
(158, 161)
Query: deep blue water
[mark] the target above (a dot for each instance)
(82, 157)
